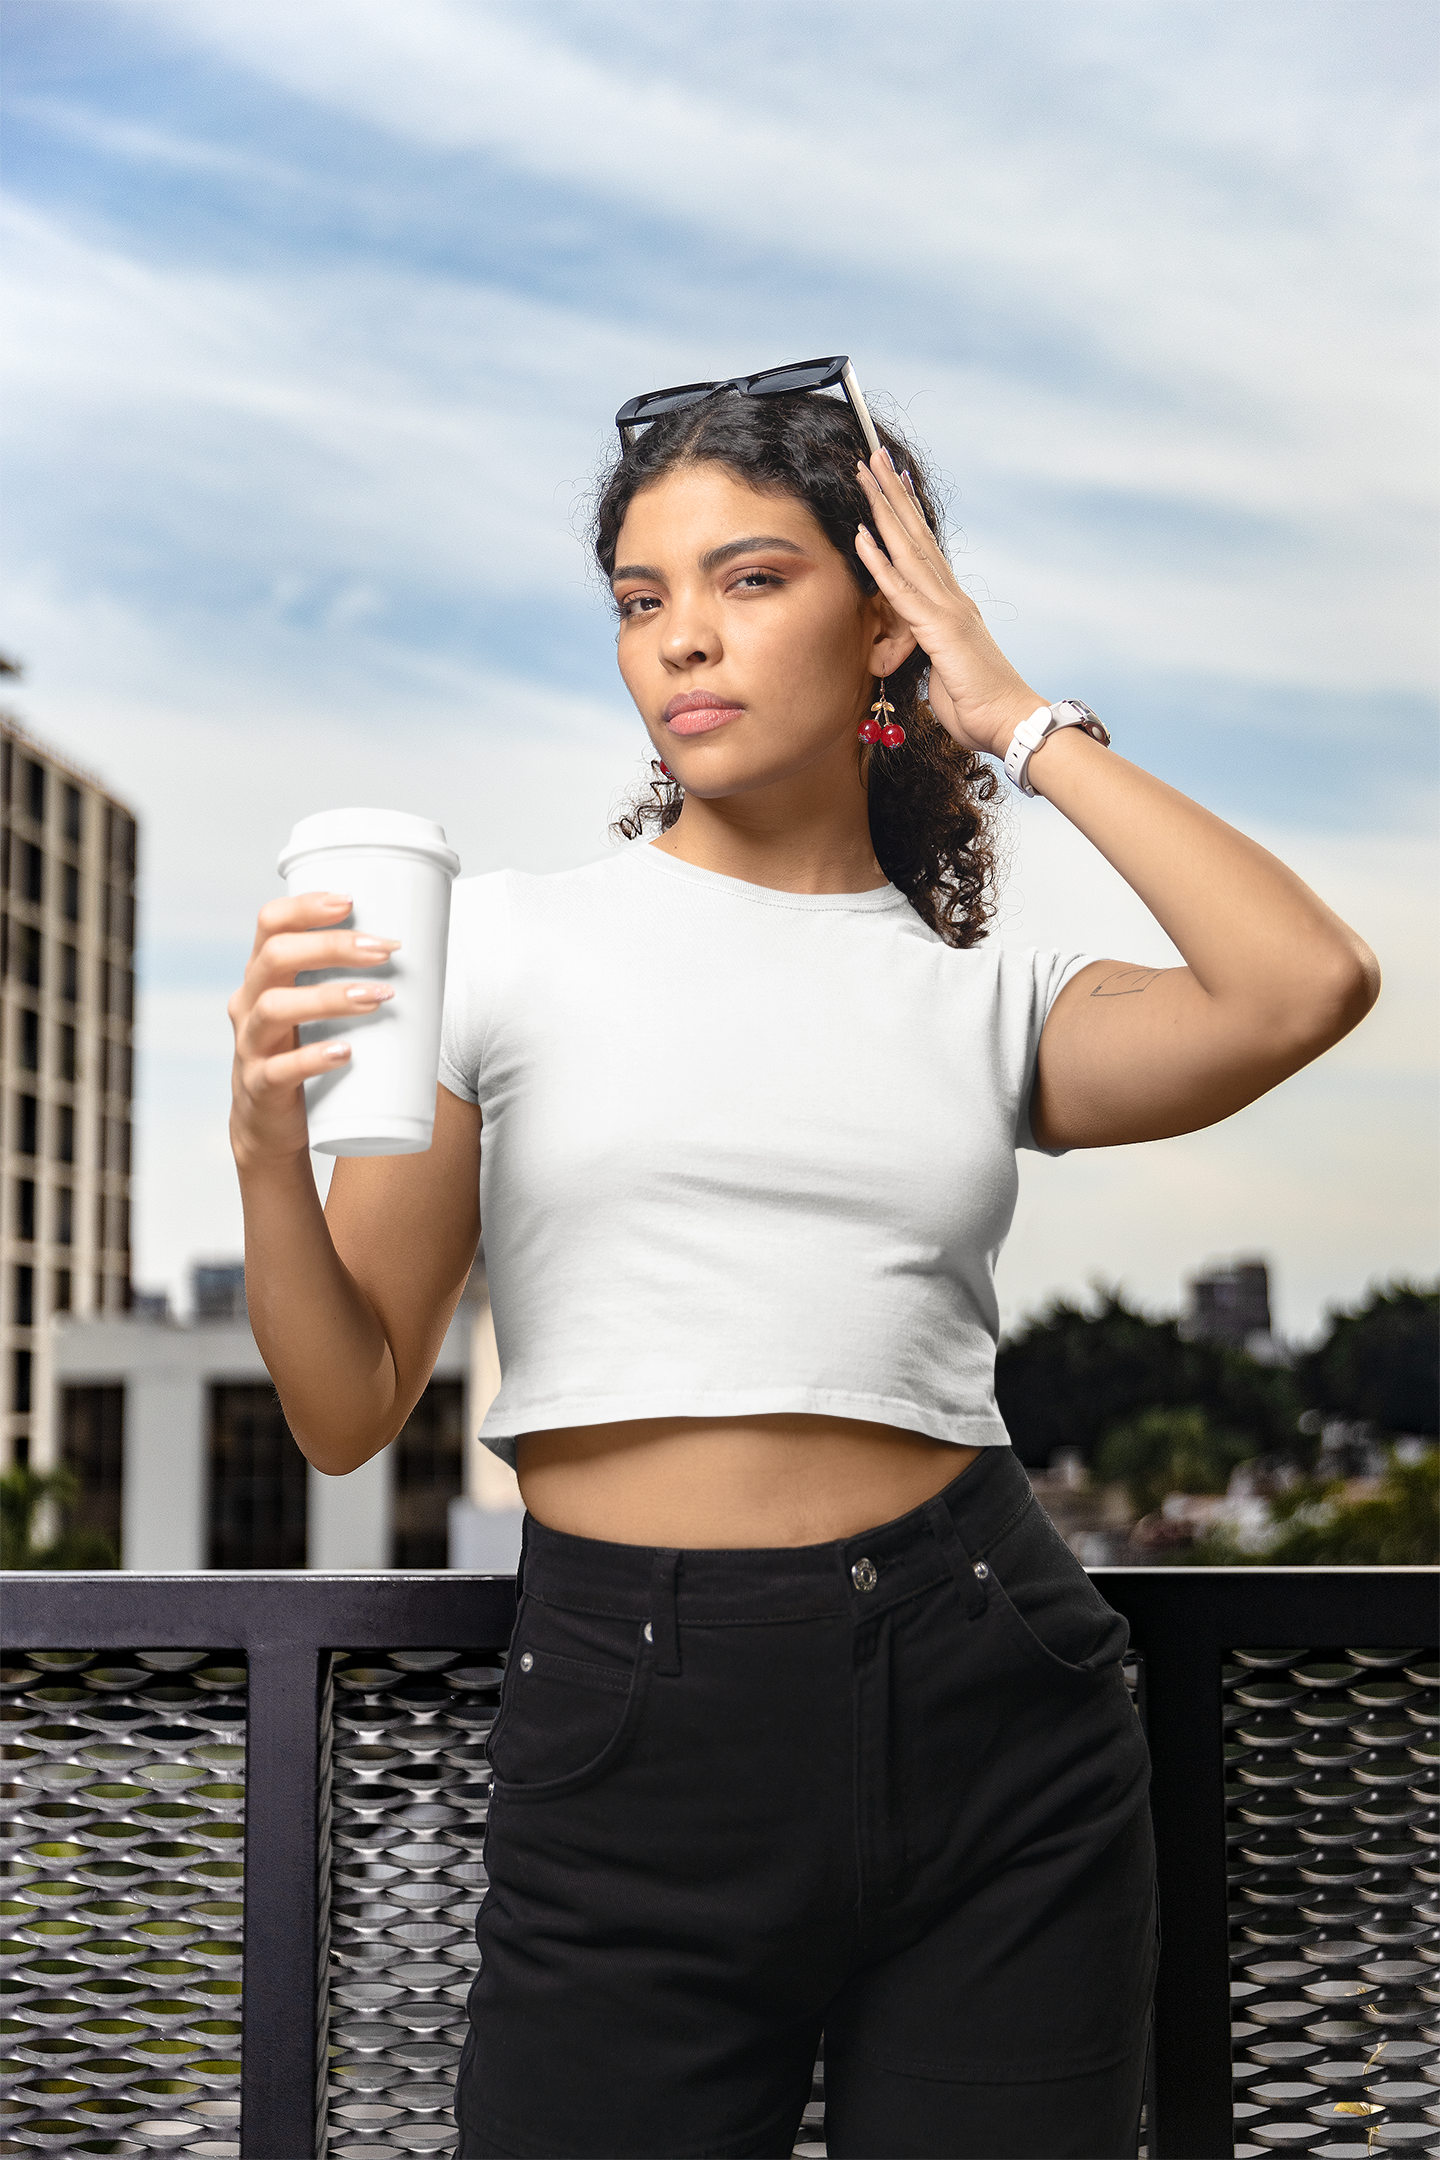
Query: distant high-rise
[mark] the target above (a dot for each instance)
(1229, 1305)
(67, 1004)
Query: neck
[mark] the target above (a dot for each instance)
(786, 836)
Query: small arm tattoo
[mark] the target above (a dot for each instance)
(1128, 982)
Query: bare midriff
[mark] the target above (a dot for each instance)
(731, 1482)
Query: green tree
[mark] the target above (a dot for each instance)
(1068, 1377)
(1165, 1451)
(1380, 1363)
(23, 1493)
(1317, 1527)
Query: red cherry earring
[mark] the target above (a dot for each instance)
(878, 728)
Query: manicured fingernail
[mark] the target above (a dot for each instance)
(867, 533)
(887, 457)
(337, 900)
(369, 993)
(377, 944)
(337, 1052)
(905, 476)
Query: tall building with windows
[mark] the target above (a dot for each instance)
(67, 1002)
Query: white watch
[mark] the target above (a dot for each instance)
(1026, 740)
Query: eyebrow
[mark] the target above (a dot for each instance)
(714, 557)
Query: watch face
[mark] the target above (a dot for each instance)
(1090, 721)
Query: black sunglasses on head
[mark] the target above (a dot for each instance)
(637, 412)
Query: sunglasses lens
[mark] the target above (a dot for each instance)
(808, 375)
(657, 402)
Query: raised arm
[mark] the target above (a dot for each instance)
(1271, 978)
(349, 1304)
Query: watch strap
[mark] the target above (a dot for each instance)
(1047, 720)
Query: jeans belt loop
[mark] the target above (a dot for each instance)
(664, 1620)
(969, 1581)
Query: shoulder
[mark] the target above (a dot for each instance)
(520, 896)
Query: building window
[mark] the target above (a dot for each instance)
(100, 1222)
(122, 1146)
(120, 844)
(257, 1482)
(29, 1039)
(69, 974)
(67, 1051)
(120, 1231)
(64, 1133)
(429, 1474)
(62, 1289)
(29, 952)
(24, 1297)
(71, 898)
(20, 1382)
(31, 867)
(35, 790)
(27, 1124)
(92, 1448)
(25, 1210)
(64, 1215)
(74, 811)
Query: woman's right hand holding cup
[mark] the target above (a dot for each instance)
(293, 936)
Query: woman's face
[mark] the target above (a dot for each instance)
(744, 640)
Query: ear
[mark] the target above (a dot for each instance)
(891, 640)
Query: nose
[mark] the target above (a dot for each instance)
(691, 638)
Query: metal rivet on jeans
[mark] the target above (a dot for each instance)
(982, 1572)
(864, 1575)
(526, 1662)
(649, 1632)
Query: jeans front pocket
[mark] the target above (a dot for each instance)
(566, 1718)
(1049, 1602)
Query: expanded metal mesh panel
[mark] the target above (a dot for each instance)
(1335, 1888)
(122, 1831)
(409, 1797)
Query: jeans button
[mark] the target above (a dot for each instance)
(982, 1572)
(864, 1575)
(526, 1662)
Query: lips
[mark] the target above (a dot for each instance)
(696, 712)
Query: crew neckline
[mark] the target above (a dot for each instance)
(880, 900)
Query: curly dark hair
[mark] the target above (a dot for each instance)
(930, 822)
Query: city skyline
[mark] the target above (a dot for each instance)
(318, 319)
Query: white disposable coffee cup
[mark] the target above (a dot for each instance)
(399, 871)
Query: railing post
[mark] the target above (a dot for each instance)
(282, 1901)
(1190, 2089)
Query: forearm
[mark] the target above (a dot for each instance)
(1252, 934)
(320, 1337)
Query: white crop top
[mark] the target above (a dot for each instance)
(742, 1150)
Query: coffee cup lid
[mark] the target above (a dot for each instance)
(365, 829)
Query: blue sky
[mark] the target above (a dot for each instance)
(315, 318)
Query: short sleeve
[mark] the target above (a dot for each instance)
(1050, 971)
(474, 968)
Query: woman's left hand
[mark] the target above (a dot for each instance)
(975, 694)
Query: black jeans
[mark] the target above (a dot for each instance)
(890, 1789)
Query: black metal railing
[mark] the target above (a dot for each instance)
(362, 1703)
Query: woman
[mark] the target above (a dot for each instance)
(811, 1723)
